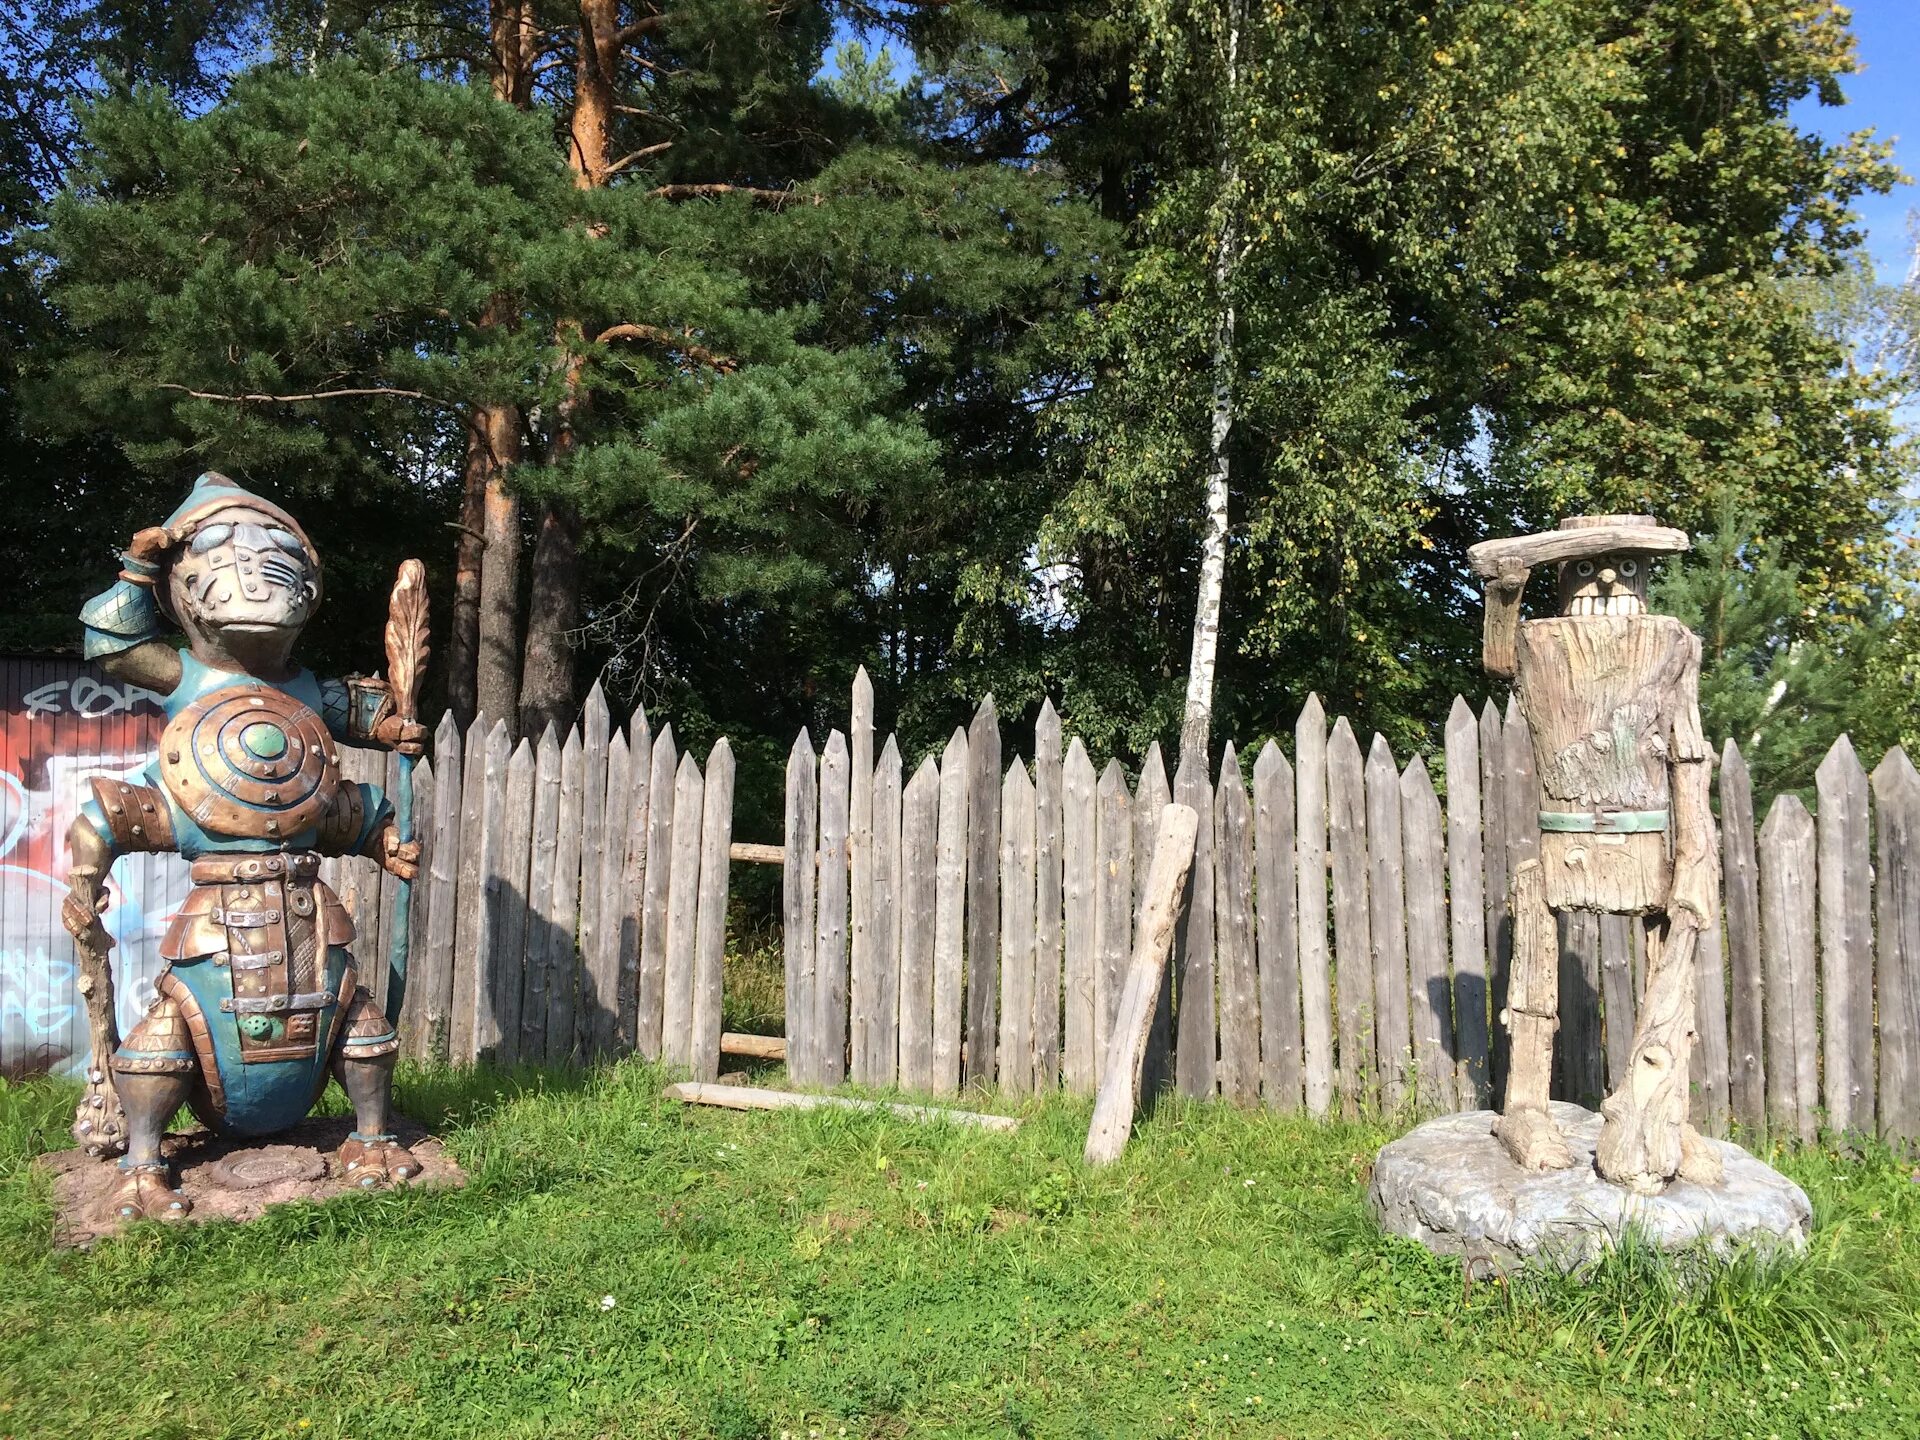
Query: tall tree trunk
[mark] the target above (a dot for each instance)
(483, 641)
(463, 625)
(553, 612)
(546, 686)
(495, 448)
(1197, 721)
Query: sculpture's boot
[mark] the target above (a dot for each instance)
(1526, 1126)
(150, 1102)
(371, 1155)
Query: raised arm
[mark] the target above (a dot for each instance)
(359, 709)
(124, 625)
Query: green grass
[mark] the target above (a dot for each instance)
(828, 1273)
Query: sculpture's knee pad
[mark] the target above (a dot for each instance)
(160, 1044)
(368, 1034)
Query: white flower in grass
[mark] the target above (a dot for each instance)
(607, 1302)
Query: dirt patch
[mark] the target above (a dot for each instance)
(229, 1179)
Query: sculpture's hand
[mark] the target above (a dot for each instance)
(1690, 901)
(400, 858)
(80, 912)
(409, 737)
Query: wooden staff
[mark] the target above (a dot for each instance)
(406, 662)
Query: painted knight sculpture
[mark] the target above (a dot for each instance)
(261, 997)
(1612, 694)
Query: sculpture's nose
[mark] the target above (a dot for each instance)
(1608, 574)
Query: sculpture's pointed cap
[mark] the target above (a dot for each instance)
(214, 491)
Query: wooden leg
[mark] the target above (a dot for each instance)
(1644, 1139)
(1525, 1125)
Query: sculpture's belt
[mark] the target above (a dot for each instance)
(238, 869)
(1603, 822)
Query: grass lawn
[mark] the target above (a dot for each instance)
(622, 1266)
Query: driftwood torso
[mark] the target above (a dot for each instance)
(1610, 713)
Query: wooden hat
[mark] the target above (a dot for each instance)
(1580, 537)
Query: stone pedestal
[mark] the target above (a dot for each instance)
(233, 1179)
(1450, 1185)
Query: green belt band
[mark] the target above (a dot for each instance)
(1605, 822)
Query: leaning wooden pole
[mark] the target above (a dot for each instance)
(1122, 1075)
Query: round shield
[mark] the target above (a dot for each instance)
(250, 762)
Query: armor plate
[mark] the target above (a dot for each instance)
(250, 762)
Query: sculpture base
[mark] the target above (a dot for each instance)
(233, 1179)
(1450, 1185)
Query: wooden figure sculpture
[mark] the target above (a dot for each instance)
(1612, 695)
(260, 998)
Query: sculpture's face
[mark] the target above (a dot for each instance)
(1605, 585)
(243, 587)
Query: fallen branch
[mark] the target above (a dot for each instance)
(1119, 1096)
(740, 1097)
(757, 1047)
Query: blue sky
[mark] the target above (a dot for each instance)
(1883, 97)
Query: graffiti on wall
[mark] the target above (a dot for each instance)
(62, 722)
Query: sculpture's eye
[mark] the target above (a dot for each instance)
(208, 536)
(1584, 569)
(1629, 569)
(286, 540)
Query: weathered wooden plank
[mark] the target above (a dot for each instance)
(1710, 1112)
(747, 1097)
(919, 897)
(1387, 923)
(1746, 1033)
(542, 944)
(1239, 980)
(876, 1000)
(796, 905)
(1122, 1084)
(650, 1000)
(1617, 994)
(563, 968)
(596, 736)
(983, 892)
(1467, 910)
(1579, 1058)
(1424, 844)
(1015, 1048)
(1275, 929)
(683, 908)
(950, 912)
(1150, 797)
(1048, 862)
(472, 976)
(1846, 940)
(1082, 885)
(864, 987)
(832, 978)
(1352, 920)
(433, 980)
(1786, 937)
(1196, 1038)
(507, 905)
(1310, 842)
(1113, 904)
(710, 926)
(599, 1010)
(624, 905)
(1896, 799)
(1499, 899)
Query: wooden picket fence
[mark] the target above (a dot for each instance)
(1345, 938)
(573, 895)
